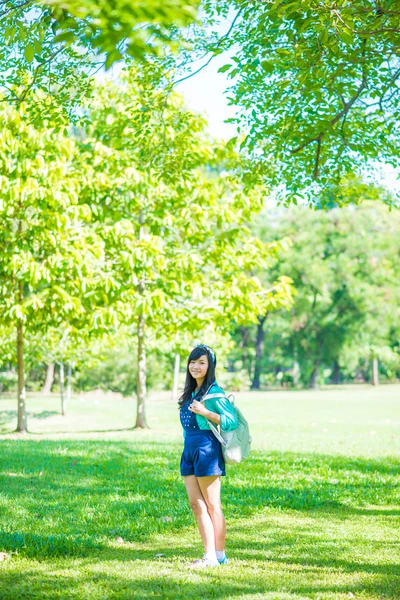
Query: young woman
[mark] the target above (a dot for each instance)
(202, 463)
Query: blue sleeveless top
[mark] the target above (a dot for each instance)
(221, 405)
(188, 418)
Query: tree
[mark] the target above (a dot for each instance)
(66, 345)
(48, 259)
(172, 208)
(345, 268)
(56, 47)
(119, 28)
(49, 77)
(316, 84)
(259, 347)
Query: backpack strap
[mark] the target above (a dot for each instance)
(216, 433)
(209, 396)
(212, 426)
(219, 395)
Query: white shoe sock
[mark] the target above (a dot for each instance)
(220, 554)
(211, 556)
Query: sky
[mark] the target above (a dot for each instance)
(204, 93)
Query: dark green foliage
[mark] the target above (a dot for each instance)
(345, 267)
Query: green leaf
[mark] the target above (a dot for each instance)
(267, 66)
(224, 68)
(346, 36)
(66, 36)
(9, 34)
(29, 52)
(114, 56)
(22, 32)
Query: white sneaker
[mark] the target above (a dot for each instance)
(203, 563)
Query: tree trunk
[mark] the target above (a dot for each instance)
(259, 353)
(69, 384)
(296, 367)
(46, 389)
(313, 383)
(141, 377)
(22, 425)
(244, 337)
(141, 380)
(336, 373)
(296, 373)
(375, 371)
(176, 377)
(63, 407)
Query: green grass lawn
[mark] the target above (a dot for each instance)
(86, 503)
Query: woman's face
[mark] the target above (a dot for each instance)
(198, 367)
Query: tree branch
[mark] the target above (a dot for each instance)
(393, 80)
(359, 32)
(226, 35)
(317, 157)
(344, 111)
(6, 12)
(22, 98)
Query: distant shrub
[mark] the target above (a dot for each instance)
(235, 381)
(8, 381)
(118, 373)
(287, 380)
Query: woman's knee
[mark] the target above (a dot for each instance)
(215, 509)
(197, 507)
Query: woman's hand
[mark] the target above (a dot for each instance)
(198, 408)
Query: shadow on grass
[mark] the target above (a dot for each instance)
(71, 498)
(9, 416)
(170, 586)
(85, 431)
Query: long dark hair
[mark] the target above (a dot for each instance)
(190, 383)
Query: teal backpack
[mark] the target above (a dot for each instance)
(236, 444)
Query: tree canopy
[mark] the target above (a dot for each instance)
(316, 84)
(345, 267)
(138, 219)
(172, 207)
(121, 27)
(55, 46)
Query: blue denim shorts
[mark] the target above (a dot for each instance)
(202, 454)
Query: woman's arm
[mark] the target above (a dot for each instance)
(225, 417)
(212, 416)
(228, 420)
(200, 409)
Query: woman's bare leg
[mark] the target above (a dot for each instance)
(211, 491)
(199, 508)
